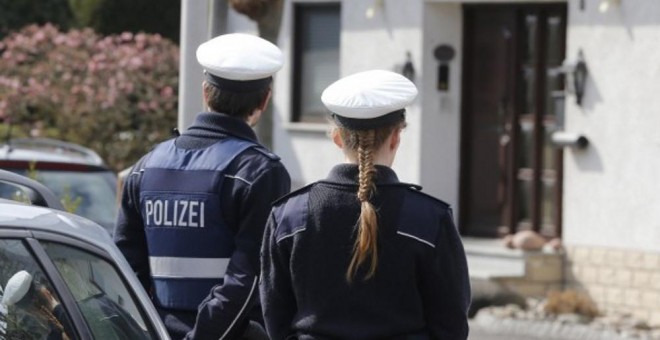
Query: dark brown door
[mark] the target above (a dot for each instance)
(510, 173)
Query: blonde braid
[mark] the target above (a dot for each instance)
(366, 243)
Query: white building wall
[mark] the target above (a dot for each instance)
(441, 118)
(430, 149)
(611, 189)
(382, 43)
(306, 150)
(239, 23)
(379, 42)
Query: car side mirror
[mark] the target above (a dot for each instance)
(37, 193)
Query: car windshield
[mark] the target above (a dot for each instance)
(88, 194)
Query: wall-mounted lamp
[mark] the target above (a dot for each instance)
(580, 75)
(577, 73)
(408, 70)
(444, 54)
(371, 11)
(568, 139)
(605, 5)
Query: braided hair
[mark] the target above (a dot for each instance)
(365, 143)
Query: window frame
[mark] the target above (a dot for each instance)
(68, 301)
(297, 116)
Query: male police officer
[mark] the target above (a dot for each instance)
(193, 210)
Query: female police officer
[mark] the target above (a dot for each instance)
(361, 255)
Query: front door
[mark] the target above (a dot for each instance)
(510, 172)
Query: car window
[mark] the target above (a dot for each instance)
(13, 192)
(107, 306)
(89, 194)
(35, 313)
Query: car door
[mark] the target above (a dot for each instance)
(93, 297)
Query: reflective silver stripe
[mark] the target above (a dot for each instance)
(239, 178)
(416, 238)
(240, 313)
(289, 235)
(188, 267)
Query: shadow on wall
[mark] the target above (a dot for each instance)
(626, 14)
(283, 147)
(589, 159)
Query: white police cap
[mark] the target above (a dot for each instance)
(239, 62)
(16, 288)
(369, 99)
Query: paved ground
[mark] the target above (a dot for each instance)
(485, 327)
(502, 337)
(482, 333)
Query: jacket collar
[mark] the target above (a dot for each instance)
(347, 174)
(213, 124)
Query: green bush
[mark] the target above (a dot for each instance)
(115, 94)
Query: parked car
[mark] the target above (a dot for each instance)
(62, 274)
(77, 175)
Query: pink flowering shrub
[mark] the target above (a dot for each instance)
(114, 94)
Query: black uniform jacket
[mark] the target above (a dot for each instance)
(246, 198)
(420, 289)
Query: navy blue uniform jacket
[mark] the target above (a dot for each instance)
(257, 180)
(420, 289)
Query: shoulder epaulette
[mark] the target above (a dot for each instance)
(293, 193)
(418, 190)
(261, 149)
(411, 186)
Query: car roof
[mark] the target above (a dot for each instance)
(17, 215)
(48, 150)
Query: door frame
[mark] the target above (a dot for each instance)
(511, 211)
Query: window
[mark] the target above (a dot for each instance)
(316, 58)
(14, 193)
(91, 194)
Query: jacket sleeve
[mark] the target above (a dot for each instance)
(446, 285)
(276, 292)
(222, 315)
(129, 233)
